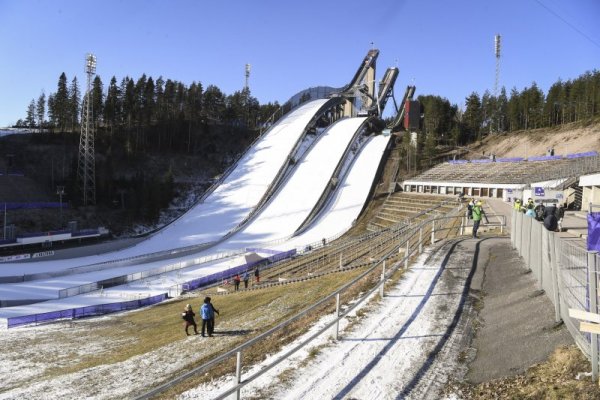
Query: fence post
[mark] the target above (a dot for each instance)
(238, 373)
(540, 255)
(407, 253)
(337, 316)
(592, 278)
(502, 222)
(420, 240)
(382, 279)
(462, 226)
(433, 231)
(554, 252)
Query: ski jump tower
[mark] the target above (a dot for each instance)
(361, 90)
(86, 168)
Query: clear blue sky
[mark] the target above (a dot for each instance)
(443, 47)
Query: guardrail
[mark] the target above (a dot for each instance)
(410, 243)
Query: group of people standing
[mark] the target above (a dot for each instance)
(551, 215)
(246, 278)
(207, 312)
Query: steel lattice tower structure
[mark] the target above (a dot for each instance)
(86, 169)
(497, 80)
(247, 70)
(497, 52)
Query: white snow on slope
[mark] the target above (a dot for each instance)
(222, 210)
(381, 357)
(341, 213)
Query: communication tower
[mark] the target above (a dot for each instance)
(497, 52)
(247, 76)
(86, 168)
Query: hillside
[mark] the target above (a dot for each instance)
(573, 138)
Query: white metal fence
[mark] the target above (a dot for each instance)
(565, 271)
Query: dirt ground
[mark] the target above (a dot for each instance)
(566, 140)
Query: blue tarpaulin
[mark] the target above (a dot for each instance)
(593, 239)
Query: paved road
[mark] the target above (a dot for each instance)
(517, 323)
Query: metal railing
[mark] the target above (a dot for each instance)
(409, 243)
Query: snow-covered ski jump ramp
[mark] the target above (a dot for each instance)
(278, 220)
(296, 178)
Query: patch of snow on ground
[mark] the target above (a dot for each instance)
(375, 358)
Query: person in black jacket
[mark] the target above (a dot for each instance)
(188, 317)
(550, 221)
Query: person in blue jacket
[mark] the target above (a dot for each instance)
(207, 311)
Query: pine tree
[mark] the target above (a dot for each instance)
(74, 104)
(41, 110)
(97, 100)
(112, 105)
(472, 116)
(30, 119)
(52, 120)
(61, 104)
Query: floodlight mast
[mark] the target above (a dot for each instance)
(86, 171)
(497, 48)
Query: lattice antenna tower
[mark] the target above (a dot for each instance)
(86, 168)
(248, 66)
(497, 47)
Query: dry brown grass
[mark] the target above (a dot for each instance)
(557, 378)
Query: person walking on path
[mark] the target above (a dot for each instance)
(188, 317)
(207, 311)
(478, 213)
(246, 278)
(236, 282)
(257, 274)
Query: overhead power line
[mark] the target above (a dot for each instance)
(557, 15)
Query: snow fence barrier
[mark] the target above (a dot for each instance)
(87, 311)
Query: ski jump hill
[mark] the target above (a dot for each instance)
(305, 179)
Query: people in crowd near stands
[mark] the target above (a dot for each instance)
(560, 214)
(188, 318)
(470, 208)
(324, 242)
(236, 282)
(257, 275)
(478, 213)
(539, 212)
(517, 205)
(551, 209)
(207, 311)
(530, 204)
(550, 221)
(246, 278)
(529, 212)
